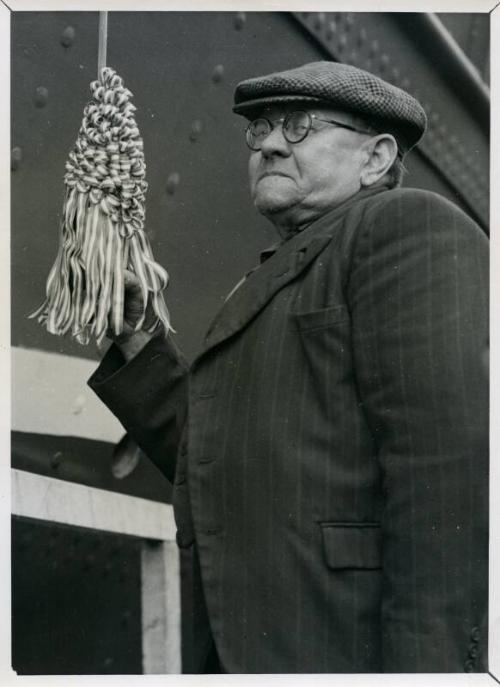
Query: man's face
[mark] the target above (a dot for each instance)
(295, 182)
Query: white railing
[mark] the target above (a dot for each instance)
(66, 503)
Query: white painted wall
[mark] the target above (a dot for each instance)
(50, 396)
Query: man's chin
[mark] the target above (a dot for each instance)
(269, 205)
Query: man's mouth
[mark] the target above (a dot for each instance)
(273, 173)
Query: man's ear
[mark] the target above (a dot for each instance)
(381, 152)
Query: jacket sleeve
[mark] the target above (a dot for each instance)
(149, 397)
(418, 295)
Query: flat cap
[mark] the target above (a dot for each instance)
(388, 108)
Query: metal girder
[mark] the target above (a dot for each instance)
(416, 53)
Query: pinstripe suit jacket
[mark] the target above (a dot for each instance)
(332, 469)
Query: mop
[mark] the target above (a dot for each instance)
(102, 226)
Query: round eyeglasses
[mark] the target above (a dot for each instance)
(295, 127)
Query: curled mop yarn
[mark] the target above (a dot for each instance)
(102, 227)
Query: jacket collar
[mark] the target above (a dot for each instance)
(279, 267)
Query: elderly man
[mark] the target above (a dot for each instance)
(329, 454)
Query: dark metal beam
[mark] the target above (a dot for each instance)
(401, 49)
(425, 29)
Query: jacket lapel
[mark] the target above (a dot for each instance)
(286, 264)
(258, 289)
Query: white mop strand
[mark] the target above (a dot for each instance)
(102, 228)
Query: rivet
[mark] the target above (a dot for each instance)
(362, 37)
(353, 56)
(172, 183)
(55, 460)
(41, 96)
(126, 456)
(331, 30)
(374, 48)
(78, 405)
(15, 158)
(196, 129)
(349, 21)
(68, 36)
(89, 561)
(406, 83)
(239, 20)
(218, 73)
(384, 61)
(319, 21)
(395, 74)
(434, 117)
(342, 42)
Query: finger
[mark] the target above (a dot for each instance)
(131, 281)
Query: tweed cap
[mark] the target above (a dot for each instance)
(389, 109)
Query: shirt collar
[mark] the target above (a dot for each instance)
(363, 193)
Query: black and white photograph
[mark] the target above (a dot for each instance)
(250, 403)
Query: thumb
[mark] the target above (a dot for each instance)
(131, 282)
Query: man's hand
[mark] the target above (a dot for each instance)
(130, 342)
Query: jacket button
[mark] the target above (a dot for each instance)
(469, 666)
(473, 652)
(211, 531)
(206, 395)
(204, 460)
(475, 634)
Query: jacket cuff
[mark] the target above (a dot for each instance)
(119, 383)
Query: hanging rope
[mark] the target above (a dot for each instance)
(102, 228)
(103, 42)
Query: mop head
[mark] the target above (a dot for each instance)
(102, 227)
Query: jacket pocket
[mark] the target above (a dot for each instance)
(352, 546)
(320, 319)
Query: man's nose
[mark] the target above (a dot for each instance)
(275, 143)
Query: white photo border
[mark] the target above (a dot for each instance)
(7, 675)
